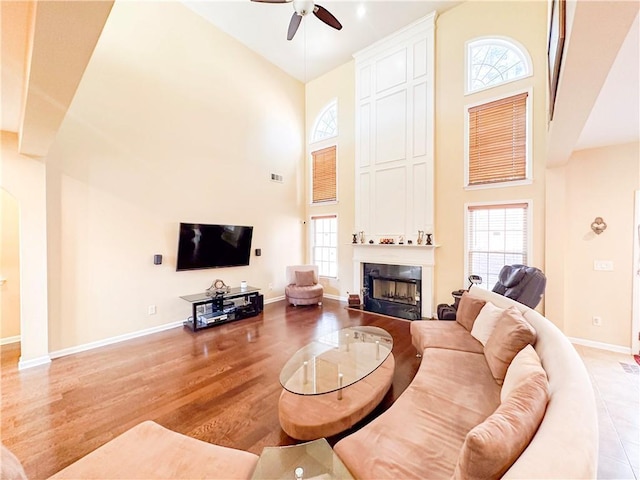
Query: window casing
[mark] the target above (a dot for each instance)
(498, 141)
(323, 176)
(324, 244)
(496, 235)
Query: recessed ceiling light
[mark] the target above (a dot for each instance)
(361, 11)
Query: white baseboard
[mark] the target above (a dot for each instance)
(274, 300)
(601, 345)
(112, 340)
(34, 362)
(335, 297)
(8, 340)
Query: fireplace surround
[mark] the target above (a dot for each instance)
(394, 290)
(417, 259)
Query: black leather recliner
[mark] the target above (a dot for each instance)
(522, 284)
(518, 282)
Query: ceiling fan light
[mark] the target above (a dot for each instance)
(302, 7)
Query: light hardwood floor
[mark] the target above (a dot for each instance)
(221, 385)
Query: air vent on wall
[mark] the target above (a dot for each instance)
(277, 178)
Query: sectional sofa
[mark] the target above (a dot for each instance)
(500, 393)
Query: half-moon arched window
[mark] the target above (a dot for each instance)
(494, 61)
(326, 125)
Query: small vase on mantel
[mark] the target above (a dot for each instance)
(429, 238)
(420, 237)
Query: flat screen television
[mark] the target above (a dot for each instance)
(213, 246)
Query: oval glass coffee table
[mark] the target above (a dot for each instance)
(335, 381)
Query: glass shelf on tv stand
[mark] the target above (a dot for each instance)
(234, 303)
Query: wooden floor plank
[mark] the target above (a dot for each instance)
(220, 385)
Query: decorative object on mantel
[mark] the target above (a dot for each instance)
(218, 287)
(371, 242)
(401, 241)
(355, 238)
(420, 237)
(429, 238)
(361, 236)
(387, 241)
(598, 226)
(409, 242)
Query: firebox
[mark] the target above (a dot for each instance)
(393, 290)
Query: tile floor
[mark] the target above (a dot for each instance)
(616, 383)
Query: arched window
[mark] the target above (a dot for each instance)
(494, 61)
(326, 125)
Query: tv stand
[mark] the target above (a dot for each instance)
(211, 310)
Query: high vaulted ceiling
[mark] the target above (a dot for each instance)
(35, 92)
(316, 47)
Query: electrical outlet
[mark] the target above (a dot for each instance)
(603, 265)
(271, 286)
(152, 310)
(597, 321)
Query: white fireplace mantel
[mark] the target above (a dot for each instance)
(419, 255)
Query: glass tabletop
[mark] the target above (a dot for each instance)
(204, 296)
(310, 460)
(336, 360)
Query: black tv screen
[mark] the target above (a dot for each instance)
(213, 246)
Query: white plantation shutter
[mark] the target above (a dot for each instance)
(324, 246)
(497, 235)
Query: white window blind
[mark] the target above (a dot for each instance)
(324, 244)
(497, 235)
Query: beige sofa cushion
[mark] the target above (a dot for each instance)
(524, 365)
(468, 309)
(421, 434)
(486, 322)
(443, 334)
(149, 451)
(511, 334)
(494, 445)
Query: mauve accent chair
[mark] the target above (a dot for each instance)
(302, 285)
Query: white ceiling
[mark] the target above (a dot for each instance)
(316, 48)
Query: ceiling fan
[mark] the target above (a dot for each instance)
(303, 7)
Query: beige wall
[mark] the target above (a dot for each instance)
(24, 179)
(597, 182)
(174, 121)
(9, 267)
(524, 22)
(338, 84)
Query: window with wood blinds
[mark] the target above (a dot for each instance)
(496, 235)
(497, 141)
(324, 175)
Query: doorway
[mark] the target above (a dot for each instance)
(635, 321)
(9, 269)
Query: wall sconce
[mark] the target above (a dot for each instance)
(598, 226)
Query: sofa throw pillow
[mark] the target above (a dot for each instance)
(511, 334)
(305, 278)
(468, 309)
(491, 448)
(524, 365)
(486, 322)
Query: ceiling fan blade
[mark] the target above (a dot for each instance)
(324, 15)
(272, 1)
(293, 25)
